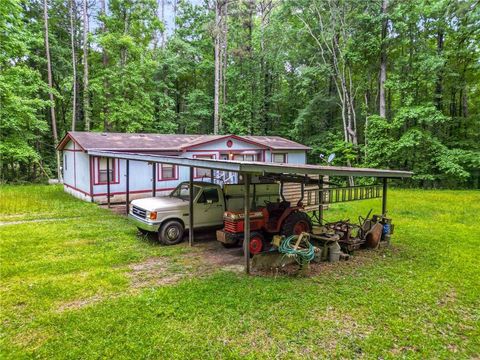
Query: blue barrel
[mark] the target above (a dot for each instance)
(386, 229)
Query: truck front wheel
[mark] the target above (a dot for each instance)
(171, 233)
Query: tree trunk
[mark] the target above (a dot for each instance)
(464, 103)
(383, 61)
(224, 48)
(175, 10)
(265, 9)
(86, 95)
(164, 31)
(105, 64)
(217, 122)
(251, 9)
(50, 86)
(74, 64)
(439, 82)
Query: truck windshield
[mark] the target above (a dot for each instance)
(182, 191)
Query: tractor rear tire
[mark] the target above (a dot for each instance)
(296, 223)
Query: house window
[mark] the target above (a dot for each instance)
(279, 157)
(102, 170)
(65, 162)
(167, 172)
(201, 173)
(244, 157)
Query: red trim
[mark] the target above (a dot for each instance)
(236, 137)
(115, 172)
(211, 156)
(209, 151)
(68, 136)
(159, 173)
(76, 189)
(135, 191)
(278, 152)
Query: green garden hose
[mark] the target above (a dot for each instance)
(302, 255)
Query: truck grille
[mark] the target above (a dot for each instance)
(139, 212)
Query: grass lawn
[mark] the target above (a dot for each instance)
(66, 289)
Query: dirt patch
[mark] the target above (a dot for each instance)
(359, 259)
(78, 304)
(203, 259)
(449, 298)
(213, 256)
(152, 272)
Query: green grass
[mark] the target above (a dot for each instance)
(420, 299)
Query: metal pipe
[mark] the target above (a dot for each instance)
(190, 208)
(154, 179)
(108, 182)
(246, 234)
(127, 185)
(384, 196)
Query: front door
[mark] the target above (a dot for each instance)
(226, 177)
(209, 208)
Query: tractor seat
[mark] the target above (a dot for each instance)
(276, 209)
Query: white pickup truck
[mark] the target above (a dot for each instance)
(168, 215)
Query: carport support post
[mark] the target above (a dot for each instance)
(190, 208)
(246, 234)
(108, 182)
(384, 196)
(127, 186)
(320, 199)
(154, 180)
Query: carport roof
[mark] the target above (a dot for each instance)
(257, 168)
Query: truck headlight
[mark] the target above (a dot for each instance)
(152, 215)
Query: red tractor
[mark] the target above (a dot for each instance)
(274, 218)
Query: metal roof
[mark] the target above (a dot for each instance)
(166, 142)
(254, 167)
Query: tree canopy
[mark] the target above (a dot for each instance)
(382, 83)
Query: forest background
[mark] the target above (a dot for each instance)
(385, 83)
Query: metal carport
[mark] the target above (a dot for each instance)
(246, 169)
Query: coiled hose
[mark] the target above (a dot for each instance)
(302, 255)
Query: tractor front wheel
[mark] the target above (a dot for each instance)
(296, 223)
(256, 243)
